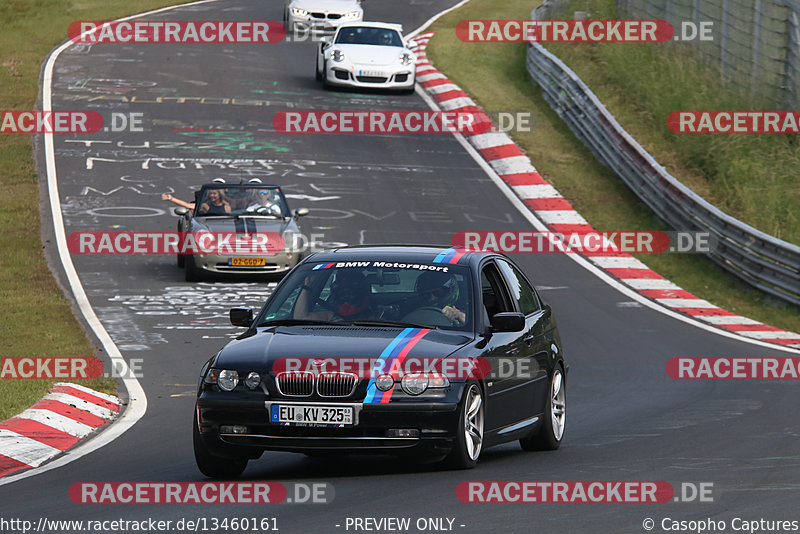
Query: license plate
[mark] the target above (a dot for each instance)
(375, 73)
(247, 262)
(312, 414)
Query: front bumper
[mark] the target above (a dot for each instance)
(221, 264)
(315, 25)
(436, 423)
(391, 77)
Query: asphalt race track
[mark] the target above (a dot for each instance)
(627, 420)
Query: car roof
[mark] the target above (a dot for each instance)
(400, 253)
(387, 25)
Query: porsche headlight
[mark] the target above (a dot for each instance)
(337, 55)
(297, 12)
(406, 58)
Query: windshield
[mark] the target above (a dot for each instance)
(426, 295)
(365, 35)
(253, 200)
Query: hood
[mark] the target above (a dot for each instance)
(258, 352)
(368, 55)
(335, 6)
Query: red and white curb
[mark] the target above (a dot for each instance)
(61, 419)
(556, 212)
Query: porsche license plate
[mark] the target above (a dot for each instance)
(247, 262)
(315, 414)
(375, 73)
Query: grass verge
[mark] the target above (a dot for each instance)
(35, 318)
(494, 75)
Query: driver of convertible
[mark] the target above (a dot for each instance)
(440, 290)
(349, 298)
(268, 199)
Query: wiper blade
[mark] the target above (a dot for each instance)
(402, 324)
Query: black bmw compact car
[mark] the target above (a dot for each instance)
(392, 349)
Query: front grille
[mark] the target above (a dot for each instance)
(336, 384)
(334, 16)
(295, 383)
(371, 79)
(318, 15)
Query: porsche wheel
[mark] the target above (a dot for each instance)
(469, 436)
(552, 430)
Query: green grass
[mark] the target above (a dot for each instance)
(35, 318)
(494, 75)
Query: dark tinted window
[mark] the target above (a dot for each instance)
(521, 290)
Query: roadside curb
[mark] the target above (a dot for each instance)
(68, 414)
(549, 206)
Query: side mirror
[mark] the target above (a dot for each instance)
(181, 211)
(241, 317)
(325, 42)
(508, 322)
(301, 212)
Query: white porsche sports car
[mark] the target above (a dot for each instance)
(367, 54)
(320, 15)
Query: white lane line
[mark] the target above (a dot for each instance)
(769, 334)
(56, 421)
(23, 449)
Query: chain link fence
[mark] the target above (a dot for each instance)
(755, 46)
(763, 261)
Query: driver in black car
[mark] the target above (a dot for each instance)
(440, 290)
(349, 299)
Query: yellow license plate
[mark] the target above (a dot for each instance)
(247, 262)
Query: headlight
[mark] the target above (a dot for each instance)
(297, 12)
(384, 383)
(414, 384)
(227, 379)
(353, 15)
(337, 55)
(253, 380)
(406, 58)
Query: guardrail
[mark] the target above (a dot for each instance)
(768, 263)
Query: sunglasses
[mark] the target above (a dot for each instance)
(263, 193)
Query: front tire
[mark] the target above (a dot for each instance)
(552, 431)
(192, 272)
(214, 466)
(469, 435)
